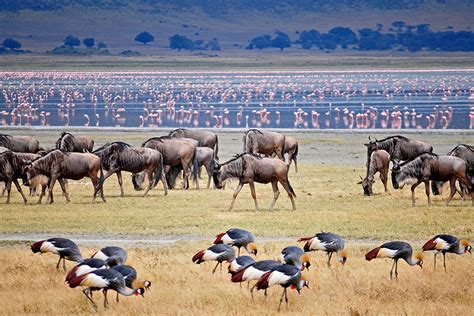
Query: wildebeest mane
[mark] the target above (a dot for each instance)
(408, 161)
(471, 148)
(68, 141)
(177, 130)
(157, 138)
(5, 140)
(237, 156)
(253, 130)
(391, 137)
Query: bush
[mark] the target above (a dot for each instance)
(144, 37)
(72, 41)
(89, 42)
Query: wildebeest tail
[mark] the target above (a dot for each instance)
(295, 157)
(283, 149)
(216, 148)
(158, 172)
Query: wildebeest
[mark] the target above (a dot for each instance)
(379, 162)
(250, 168)
(466, 153)
(264, 142)
(74, 143)
(11, 169)
(22, 144)
(175, 152)
(426, 167)
(59, 165)
(398, 147)
(119, 156)
(291, 148)
(204, 138)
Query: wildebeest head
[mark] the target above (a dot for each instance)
(217, 175)
(29, 172)
(437, 187)
(402, 176)
(138, 180)
(366, 185)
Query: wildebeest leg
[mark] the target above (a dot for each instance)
(413, 187)
(50, 198)
(452, 185)
(63, 187)
(288, 190)
(209, 176)
(427, 190)
(120, 181)
(254, 194)
(165, 185)
(8, 186)
(276, 193)
(383, 178)
(97, 187)
(43, 191)
(18, 187)
(236, 192)
(150, 181)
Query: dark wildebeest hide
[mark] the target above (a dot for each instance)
(176, 152)
(21, 144)
(264, 142)
(428, 167)
(74, 143)
(60, 165)
(118, 156)
(12, 168)
(398, 147)
(249, 168)
(204, 138)
(466, 153)
(379, 162)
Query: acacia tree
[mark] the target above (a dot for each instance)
(11, 44)
(281, 41)
(144, 37)
(89, 42)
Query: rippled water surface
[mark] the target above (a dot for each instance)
(398, 99)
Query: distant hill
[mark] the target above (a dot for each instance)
(41, 25)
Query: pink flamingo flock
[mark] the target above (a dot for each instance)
(298, 100)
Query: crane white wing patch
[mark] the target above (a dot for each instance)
(386, 253)
(93, 280)
(100, 255)
(317, 244)
(49, 247)
(210, 256)
(252, 274)
(278, 277)
(441, 244)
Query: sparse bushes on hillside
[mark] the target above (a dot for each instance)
(72, 41)
(144, 37)
(180, 42)
(101, 45)
(89, 42)
(11, 44)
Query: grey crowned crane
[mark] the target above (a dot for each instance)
(86, 266)
(103, 279)
(219, 253)
(112, 254)
(286, 276)
(63, 247)
(328, 242)
(130, 275)
(396, 250)
(447, 243)
(296, 257)
(254, 272)
(239, 238)
(240, 263)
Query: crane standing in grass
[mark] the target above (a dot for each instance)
(447, 243)
(63, 247)
(396, 250)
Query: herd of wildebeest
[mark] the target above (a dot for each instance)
(185, 150)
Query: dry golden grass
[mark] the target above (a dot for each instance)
(31, 284)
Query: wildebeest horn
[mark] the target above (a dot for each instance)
(360, 177)
(369, 138)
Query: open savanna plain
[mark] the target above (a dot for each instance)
(162, 233)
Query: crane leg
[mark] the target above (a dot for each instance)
(251, 290)
(64, 264)
(329, 258)
(444, 261)
(59, 261)
(435, 260)
(396, 269)
(86, 292)
(391, 271)
(281, 299)
(215, 268)
(117, 297)
(106, 302)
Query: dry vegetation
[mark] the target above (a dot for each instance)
(31, 284)
(327, 199)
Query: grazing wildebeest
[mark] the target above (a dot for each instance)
(264, 142)
(74, 143)
(398, 147)
(428, 167)
(466, 153)
(291, 148)
(119, 156)
(59, 165)
(379, 162)
(204, 138)
(250, 168)
(21, 144)
(11, 169)
(175, 152)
